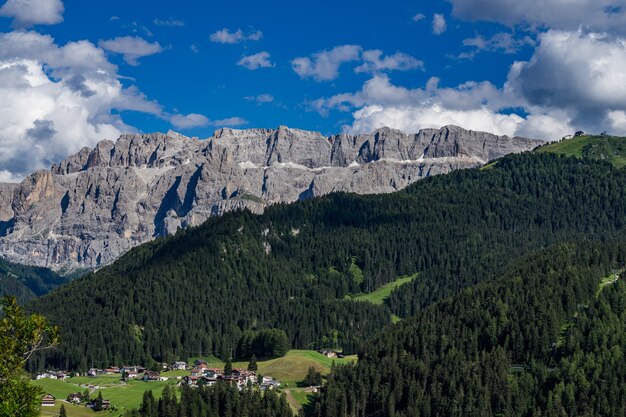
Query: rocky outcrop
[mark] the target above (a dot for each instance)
(92, 207)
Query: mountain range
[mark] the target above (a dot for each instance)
(89, 209)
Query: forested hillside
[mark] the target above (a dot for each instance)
(291, 268)
(543, 339)
(27, 282)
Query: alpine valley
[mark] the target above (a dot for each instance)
(506, 283)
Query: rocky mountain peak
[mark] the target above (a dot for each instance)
(96, 204)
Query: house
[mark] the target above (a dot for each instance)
(579, 133)
(112, 370)
(48, 401)
(328, 353)
(190, 381)
(179, 366)
(75, 398)
(151, 376)
(46, 375)
(199, 362)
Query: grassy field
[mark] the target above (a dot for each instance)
(568, 147)
(71, 410)
(609, 148)
(379, 296)
(289, 370)
(608, 280)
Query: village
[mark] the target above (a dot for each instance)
(199, 374)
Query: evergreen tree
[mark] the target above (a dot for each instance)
(252, 365)
(62, 412)
(228, 368)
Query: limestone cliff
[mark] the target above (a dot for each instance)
(92, 207)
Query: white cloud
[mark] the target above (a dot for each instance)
(418, 17)
(375, 62)
(26, 13)
(472, 105)
(594, 15)
(261, 98)
(500, 42)
(188, 121)
(194, 48)
(171, 22)
(191, 120)
(226, 36)
(582, 74)
(56, 100)
(324, 65)
(256, 61)
(131, 47)
(228, 122)
(439, 24)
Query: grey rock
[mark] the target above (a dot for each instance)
(95, 205)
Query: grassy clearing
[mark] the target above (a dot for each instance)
(569, 147)
(71, 410)
(379, 296)
(606, 281)
(292, 368)
(303, 396)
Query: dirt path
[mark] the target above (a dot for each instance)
(292, 401)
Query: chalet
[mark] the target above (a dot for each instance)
(179, 366)
(132, 375)
(196, 372)
(112, 370)
(75, 398)
(93, 372)
(151, 376)
(48, 401)
(579, 133)
(329, 353)
(199, 362)
(191, 381)
(46, 375)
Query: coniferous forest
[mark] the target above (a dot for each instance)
(291, 268)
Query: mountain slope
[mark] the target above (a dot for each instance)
(292, 267)
(94, 206)
(607, 148)
(27, 282)
(536, 341)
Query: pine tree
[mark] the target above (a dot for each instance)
(62, 412)
(228, 368)
(252, 365)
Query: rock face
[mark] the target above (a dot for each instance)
(92, 207)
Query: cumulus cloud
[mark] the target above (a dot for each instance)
(260, 99)
(418, 17)
(594, 15)
(56, 100)
(439, 24)
(26, 13)
(583, 74)
(473, 105)
(226, 36)
(324, 65)
(375, 62)
(256, 61)
(131, 47)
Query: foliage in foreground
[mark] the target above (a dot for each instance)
(20, 337)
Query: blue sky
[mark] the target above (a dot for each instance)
(75, 72)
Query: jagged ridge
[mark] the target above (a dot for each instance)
(92, 207)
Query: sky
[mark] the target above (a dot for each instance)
(75, 72)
